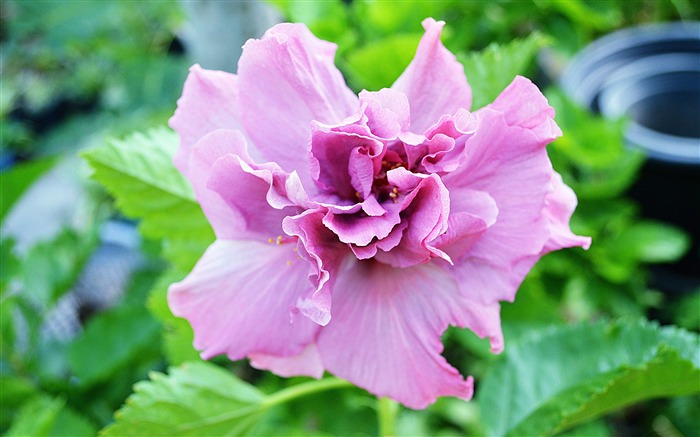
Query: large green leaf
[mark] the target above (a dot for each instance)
(492, 69)
(195, 399)
(199, 398)
(559, 377)
(139, 173)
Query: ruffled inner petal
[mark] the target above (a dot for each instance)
(425, 209)
(321, 248)
(344, 163)
(255, 192)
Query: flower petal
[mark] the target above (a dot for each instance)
(344, 163)
(307, 363)
(325, 253)
(509, 163)
(256, 193)
(238, 300)
(426, 209)
(226, 221)
(288, 79)
(388, 112)
(385, 332)
(559, 207)
(524, 105)
(209, 102)
(434, 81)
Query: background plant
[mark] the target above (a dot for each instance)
(75, 73)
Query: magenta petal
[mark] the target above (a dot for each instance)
(426, 209)
(209, 102)
(238, 300)
(344, 163)
(385, 332)
(434, 81)
(308, 363)
(287, 79)
(361, 229)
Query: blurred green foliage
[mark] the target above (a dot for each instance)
(74, 71)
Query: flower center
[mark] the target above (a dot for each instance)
(381, 186)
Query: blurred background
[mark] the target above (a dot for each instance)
(83, 291)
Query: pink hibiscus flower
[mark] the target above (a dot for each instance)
(400, 206)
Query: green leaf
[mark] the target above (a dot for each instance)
(50, 417)
(36, 417)
(591, 155)
(15, 181)
(199, 398)
(651, 242)
(560, 377)
(492, 69)
(177, 332)
(16, 391)
(195, 399)
(113, 340)
(51, 267)
(139, 173)
(378, 64)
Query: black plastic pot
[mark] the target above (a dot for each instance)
(651, 74)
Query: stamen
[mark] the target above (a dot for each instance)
(394, 194)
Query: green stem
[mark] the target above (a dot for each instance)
(304, 389)
(386, 413)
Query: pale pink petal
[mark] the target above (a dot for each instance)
(472, 212)
(239, 298)
(386, 328)
(434, 81)
(524, 105)
(388, 113)
(226, 221)
(510, 164)
(483, 285)
(287, 79)
(559, 207)
(209, 102)
(308, 363)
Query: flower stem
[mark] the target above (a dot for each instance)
(304, 389)
(386, 413)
